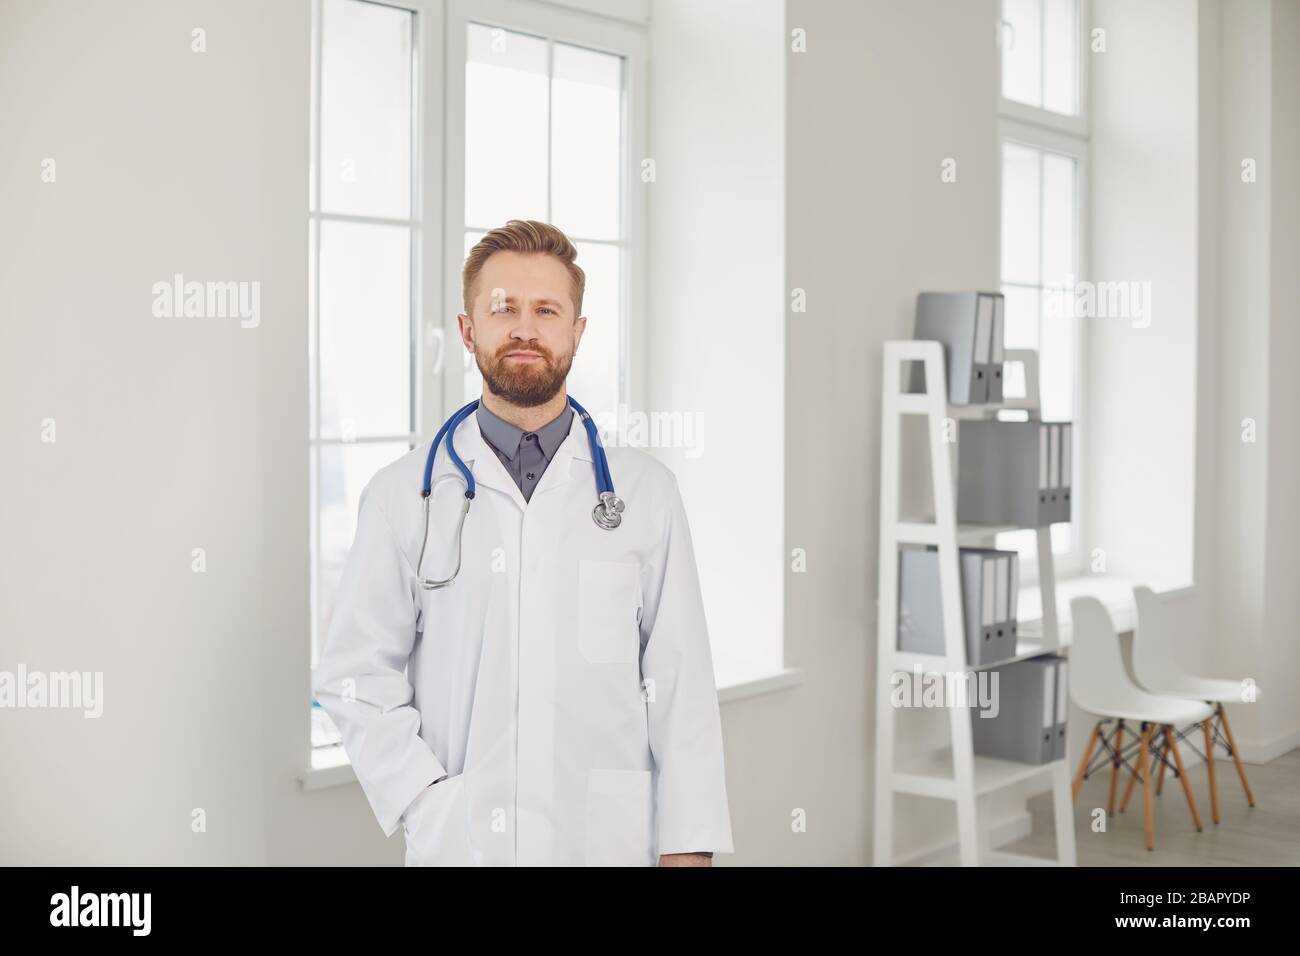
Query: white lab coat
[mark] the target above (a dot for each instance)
(563, 681)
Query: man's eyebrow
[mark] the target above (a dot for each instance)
(514, 300)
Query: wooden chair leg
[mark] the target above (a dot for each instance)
(1087, 755)
(1171, 739)
(1156, 756)
(1128, 791)
(1241, 771)
(1146, 786)
(1209, 766)
(1160, 756)
(1114, 767)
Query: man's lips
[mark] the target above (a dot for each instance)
(524, 356)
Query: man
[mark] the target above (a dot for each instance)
(554, 704)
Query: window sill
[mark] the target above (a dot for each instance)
(329, 766)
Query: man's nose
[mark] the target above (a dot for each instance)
(525, 326)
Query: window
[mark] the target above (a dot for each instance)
(544, 114)
(1040, 54)
(1044, 159)
(549, 133)
(362, 234)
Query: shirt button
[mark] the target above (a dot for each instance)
(531, 476)
(530, 437)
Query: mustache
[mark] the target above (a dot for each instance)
(533, 346)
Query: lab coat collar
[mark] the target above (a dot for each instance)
(488, 471)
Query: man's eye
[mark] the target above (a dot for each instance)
(545, 309)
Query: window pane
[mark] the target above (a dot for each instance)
(1020, 320)
(1060, 56)
(365, 109)
(506, 115)
(1020, 214)
(1059, 233)
(585, 142)
(365, 329)
(593, 380)
(1056, 367)
(1022, 54)
(344, 471)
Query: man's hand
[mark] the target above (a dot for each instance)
(685, 859)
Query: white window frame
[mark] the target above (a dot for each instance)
(1047, 130)
(596, 32)
(437, 209)
(426, 249)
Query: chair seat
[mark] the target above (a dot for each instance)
(1217, 689)
(1152, 710)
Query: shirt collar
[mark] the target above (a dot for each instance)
(505, 436)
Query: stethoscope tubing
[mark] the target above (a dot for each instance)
(607, 512)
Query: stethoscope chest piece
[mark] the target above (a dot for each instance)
(609, 513)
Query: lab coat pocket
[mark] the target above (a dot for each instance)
(437, 826)
(620, 818)
(609, 602)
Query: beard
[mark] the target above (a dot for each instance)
(526, 384)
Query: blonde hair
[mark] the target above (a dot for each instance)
(524, 235)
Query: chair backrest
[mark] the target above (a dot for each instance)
(1155, 652)
(1099, 683)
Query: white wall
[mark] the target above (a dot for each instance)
(1281, 665)
(1281, 595)
(1257, 611)
(1139, 429)
(884, 94)
(716, 257)
(171, 434)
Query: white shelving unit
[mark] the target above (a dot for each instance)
(954, 772)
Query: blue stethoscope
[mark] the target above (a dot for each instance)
(607, 514)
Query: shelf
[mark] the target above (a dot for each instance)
(934, 663)
(926, 532)
(931, 774)
(912, 404)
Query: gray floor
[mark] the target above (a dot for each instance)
(1266, 835)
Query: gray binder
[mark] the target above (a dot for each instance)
(997, 358)
(987, 603)
(1014, 598)
(1062, 706)
(979, 604)
(1063, 491)
(920, 610)
(969, 324)
(1005, 472)
(1024, 729)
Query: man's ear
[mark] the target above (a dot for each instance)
(466, 326)
(579, 326)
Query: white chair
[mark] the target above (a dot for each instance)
(1100, 685)
(1157, 668)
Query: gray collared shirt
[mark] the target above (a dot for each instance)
(525, 455)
